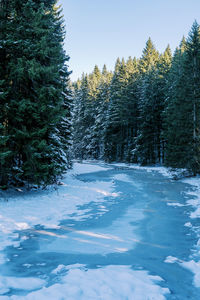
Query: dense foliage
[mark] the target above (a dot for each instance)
(147, 111)
(34, 94)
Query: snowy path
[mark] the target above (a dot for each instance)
(109, 232)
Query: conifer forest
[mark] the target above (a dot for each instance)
(147, 111)
(99, 176)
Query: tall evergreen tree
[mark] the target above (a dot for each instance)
(37, 99)
(100, 124)
(81, 91)
(116, 122)
(183, 110)
(5, 147)
(148, 111)
(174, 110)
(148, 107)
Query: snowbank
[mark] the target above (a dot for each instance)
(109, 283)
(47, 208)
(162, 170)
(194, 200)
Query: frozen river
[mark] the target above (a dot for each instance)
(108, 232)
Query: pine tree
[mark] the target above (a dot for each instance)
(37, 99)
(100, 124)
(5, 148)
(116, 121)
(148, 110)
(131, 104)
(173, 130)
(91, 135)
(81, 91)
(183, 110)
(164, 67)
(146, 142)
(150, 57)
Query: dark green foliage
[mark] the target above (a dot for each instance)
(35, 113)
(148, 112)
(183, 111)
(122, 112)
(149, 144)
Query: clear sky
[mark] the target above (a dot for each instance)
(99, 31)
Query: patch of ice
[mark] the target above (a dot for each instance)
(126, 178)
(103, 241)
(122, 177)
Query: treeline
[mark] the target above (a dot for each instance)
(34, 94)
(147, 111)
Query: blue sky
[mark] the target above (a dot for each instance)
(99, 31)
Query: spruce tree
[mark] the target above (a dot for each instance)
(131, 100)
(148, 110)
(37, 100)
(183, 110)
(81, 90)
(100, 124)
(146, 142)
(116, 122)
(5, 147)
(174, 130)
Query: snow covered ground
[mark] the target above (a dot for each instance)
(107, 232)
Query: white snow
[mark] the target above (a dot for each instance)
(171, 259)
(188, 224)
(109, 283)
(191, 265)
(87, 167)
(47, 208)
(162, 170)
(25, 210)
(7, 283)
(175, 204)
(195, 193)
(194, 265)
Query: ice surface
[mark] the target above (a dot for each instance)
(49, 207)
(110, 239)
(103, 233)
